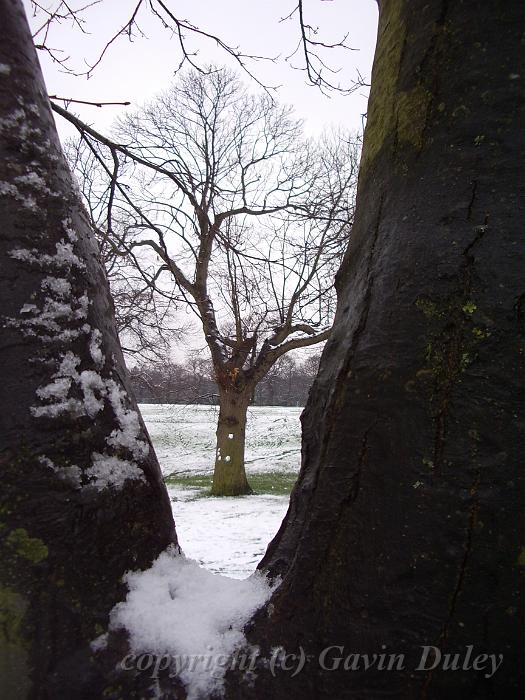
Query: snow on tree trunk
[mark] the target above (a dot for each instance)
(82, 497)
(229, 476)
(406, 527)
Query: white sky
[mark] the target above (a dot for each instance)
(136, 71)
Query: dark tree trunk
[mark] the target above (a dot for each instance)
(229, 475)
(406, 527)
(82, 499)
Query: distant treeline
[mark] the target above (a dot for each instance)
(191, 382)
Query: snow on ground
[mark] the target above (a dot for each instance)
(182, 610)
(226, 535)
(184, 437)
(190, 617)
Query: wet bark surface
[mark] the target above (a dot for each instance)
(406, 525)
(66, 540)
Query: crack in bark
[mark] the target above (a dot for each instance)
(435, 74)
(440, 21)
(456, 343)
(466, 276)
(354, 490)
(472, 199)
(467, 549)
(343, 506)
(517, 307)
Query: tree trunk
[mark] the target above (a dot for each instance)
(82, 498)
(229, 475)
(406, 526)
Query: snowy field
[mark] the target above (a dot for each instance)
(226, 535)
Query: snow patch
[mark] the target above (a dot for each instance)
(33, 180)
(127, 435)
(108, 470)
(64, 257)
(13, 121)
(57, 285)
(72, 474)
(90, 382)
(7, 189)
(57, 389)
(70, 407)
(5, 69)
(71, 234)
(51, 316)
(73, 392)
(178, 608)
(94, 348)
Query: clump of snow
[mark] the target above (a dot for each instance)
(51, 317)
(91, 382)
(180, 609)
(83, 302)
(5, 69)
(109, 470)
(72, 474)
(7, 189)
(127, 435)
(94, 348)
(19, 125)
(70, 407)
(99, 643)
(64, 257)
(57, 285)
(15, 120)
(227, 458)
(230, 436)
(33, 180)
(59, 307)
(68, 365)
(71, 234)
(58, 389)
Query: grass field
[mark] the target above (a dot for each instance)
(226, 535)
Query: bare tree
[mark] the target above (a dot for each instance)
(219, 195)
(144, 313)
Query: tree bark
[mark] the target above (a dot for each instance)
(82, 497)
(406, 526)
(229, 475)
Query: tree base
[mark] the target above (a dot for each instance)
(232, 490)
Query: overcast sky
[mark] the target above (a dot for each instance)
(136, 71)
